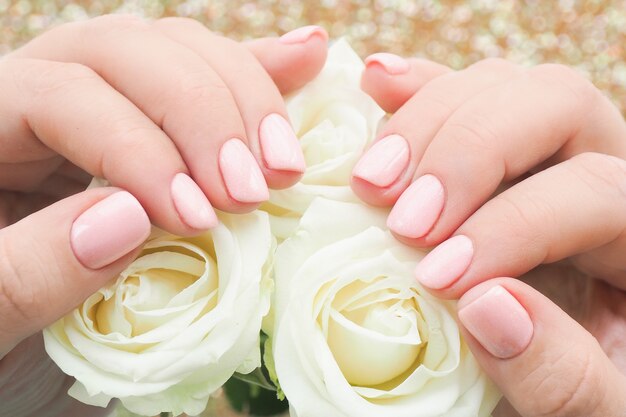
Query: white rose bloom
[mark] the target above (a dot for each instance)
(335, 121)
(175, 325)
(356, 335)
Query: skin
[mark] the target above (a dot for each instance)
(52, 83)
(135, 102)
(551, 209)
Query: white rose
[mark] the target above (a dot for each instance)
(335, 121)
(356, 335)
(175, 325)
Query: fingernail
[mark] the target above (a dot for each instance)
(499, 322)
(191, 204)
(383, 163)
(109, 230)
(279, 145)
(241, 173)
(445, 264)
(302, 34)
(393, 64)
(418, 208)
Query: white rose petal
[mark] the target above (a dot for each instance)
(355, 334)
(335, 121)
(175, 325)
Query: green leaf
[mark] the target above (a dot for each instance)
(253, 399)
(268, 361)
(256, 377)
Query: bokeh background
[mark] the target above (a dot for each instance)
(589, 35)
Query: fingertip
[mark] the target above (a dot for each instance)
(392, 80)
(280, 154)
(304, 49)
(372, 194)
(498, 321)
(109, 230)
(303, 34)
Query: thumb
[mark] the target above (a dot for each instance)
(54, 259)
(295, 58)
(544, 362)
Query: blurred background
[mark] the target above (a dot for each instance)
(587, 34)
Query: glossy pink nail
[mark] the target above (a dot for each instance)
(279, 145)
(191, 204)
(383, 163)
(499, 322)
(302, 34)
(242, 176)
(393, 64)
(109, 229)
(418, 208)
(445, 264)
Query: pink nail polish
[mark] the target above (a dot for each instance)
(445, 264)
(191, 204)
(499, 322)
(418, 208)
(279, 145)
(393, 64)
(383, 163)
(109, 229)
(241, 173)
(302, 34)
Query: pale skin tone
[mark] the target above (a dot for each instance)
(530, 163)
(142, 104)
(82, 98)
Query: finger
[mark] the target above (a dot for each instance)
(270, 136)
(51, 107)
(388, 167)
(544, 362)
(392, 80)
(573, 207)
(177, 90)
(304, 49)
(54, 259)
(548, 113)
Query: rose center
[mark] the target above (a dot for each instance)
(162, 284)
(374, 333)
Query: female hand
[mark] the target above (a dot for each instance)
(455, 141)
(178, 119)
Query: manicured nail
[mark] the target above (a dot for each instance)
(302, 34)
(499, 322)
(191, 204)
(279, 145)
(445, 264)
(393, 64)
(383, 163)
(418, 208)
(109, 229)
(241, 173)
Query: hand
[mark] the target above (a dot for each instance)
(455, 141)
(153, 108)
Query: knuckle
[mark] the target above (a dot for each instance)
(15, 293)
(571, 396)
(199, 88)
(177, 22)
(113, 24)
(573, 81)
(472, 130)
(57, 76)
(602, 172)
(493, 64)
(519, 215)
